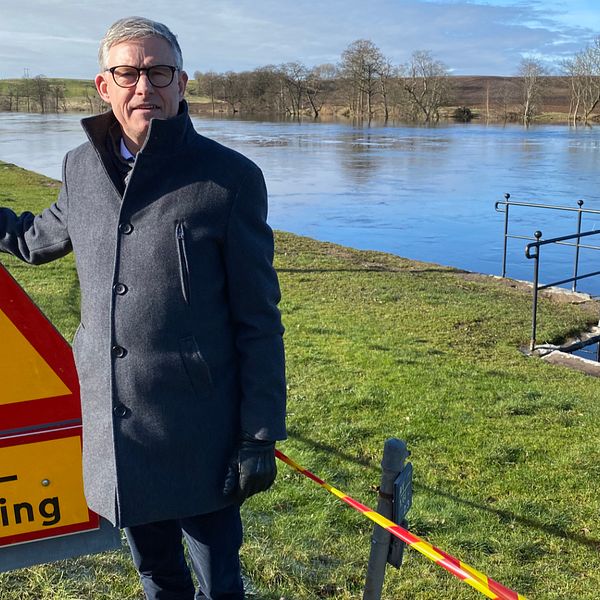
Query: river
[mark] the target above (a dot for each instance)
(425, 193)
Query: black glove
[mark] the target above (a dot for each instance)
(252, 468)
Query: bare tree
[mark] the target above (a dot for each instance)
(570, 71)
(89, 98)
(263, 86)
(27, 88)
(313, 91)
(260, 90)
(211, 81)
(96, 103)
(505, 99)
(317, 81)
(199, 84)
(207, 84)
(294, 75)
(42, 90)
(426, 84)
(531, 73)
(232, 90)
(588, 65)
(57, 91)
(361, 67)
(19, 93)
(11, 95)
(386, 74)
(583, 72)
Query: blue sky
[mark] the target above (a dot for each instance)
(486, 37)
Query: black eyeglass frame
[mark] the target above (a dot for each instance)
(140, 70)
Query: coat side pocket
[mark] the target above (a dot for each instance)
(196, 368)
(184, 269)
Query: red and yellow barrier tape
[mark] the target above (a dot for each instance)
(486, 585)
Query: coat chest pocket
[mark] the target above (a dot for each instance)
(184, 267)
(196, 368)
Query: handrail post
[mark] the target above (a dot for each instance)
(536, 268)
(395, 454)
(576, 266)
(507, 197)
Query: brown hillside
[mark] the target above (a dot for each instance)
(498, 93)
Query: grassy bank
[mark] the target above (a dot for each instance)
(504, 447)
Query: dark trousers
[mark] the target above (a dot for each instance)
(213, 542)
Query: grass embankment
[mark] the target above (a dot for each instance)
(505, 447)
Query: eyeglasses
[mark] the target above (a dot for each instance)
(159, 76)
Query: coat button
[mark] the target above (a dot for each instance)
(120, 410)
(120, 288)
(126, 228)
(118, 351)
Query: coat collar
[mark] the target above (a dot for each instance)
(164, 135)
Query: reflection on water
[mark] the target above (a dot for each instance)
(422, 192)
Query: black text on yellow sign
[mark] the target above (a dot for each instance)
(41, 488)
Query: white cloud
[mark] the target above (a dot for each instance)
(59, 37)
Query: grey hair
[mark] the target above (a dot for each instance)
(135, 28)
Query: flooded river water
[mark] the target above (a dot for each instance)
(426, 193)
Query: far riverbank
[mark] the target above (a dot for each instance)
(490, 99)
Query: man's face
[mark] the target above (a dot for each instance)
(135, 106)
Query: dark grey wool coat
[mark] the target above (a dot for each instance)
(180, 342)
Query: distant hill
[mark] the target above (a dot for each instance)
(503, 93)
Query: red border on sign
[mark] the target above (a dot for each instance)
(53, 348)
(93, 521)
(47, 410)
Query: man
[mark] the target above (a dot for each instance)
(179, 351)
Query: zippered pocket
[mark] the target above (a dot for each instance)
(184, 269)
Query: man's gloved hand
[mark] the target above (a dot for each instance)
(252, 468)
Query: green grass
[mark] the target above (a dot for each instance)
(77, 92)
(73, 88)
(504, 447)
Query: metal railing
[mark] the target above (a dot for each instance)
(532, 251)
(503, 207)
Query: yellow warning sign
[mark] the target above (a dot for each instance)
(41, 486)
(25, 375)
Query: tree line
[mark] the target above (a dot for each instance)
(44, 95)
(35, 94)
(364, 84)
(581, 73)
